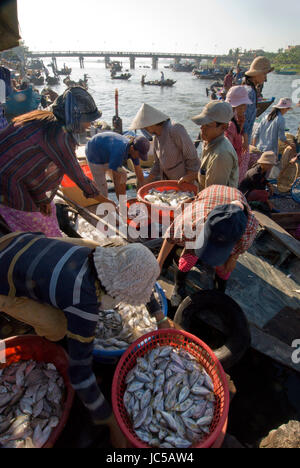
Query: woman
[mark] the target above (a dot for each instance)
(272, 128)
(255, 183)
(36, 150)
(57, 287)
(239, 99)
(175, 154)
(215, 228)
(255, 76)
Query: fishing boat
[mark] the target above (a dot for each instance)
(37, 80)
(182, 67)
(209, 74)
(70, 83)
(53, 80)
(123, 76)
(165, 83)
(64, 71)
(263, 105)
(286, 72)
(21, 102)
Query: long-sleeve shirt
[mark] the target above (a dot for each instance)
(32, 164)
(267, 133)
(219, 164)
(188, 225)
(58, 273)
(174, 153)
(251, 112)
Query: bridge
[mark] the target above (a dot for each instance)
(107, 55)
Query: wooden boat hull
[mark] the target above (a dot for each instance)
(262, 106)
(159, 83)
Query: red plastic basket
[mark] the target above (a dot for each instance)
(205, 356)
(24, 348)
(164, 213)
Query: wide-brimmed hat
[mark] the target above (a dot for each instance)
(258, 66)
(268, 157)
(237, 96)
(223, 228)
(214, 111)
(128, 273)
(147, 116)
(284, 103)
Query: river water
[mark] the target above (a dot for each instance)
(184, 100)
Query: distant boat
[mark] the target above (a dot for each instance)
(21, 102)
(263, 105)
(165, 83)
(123, 76)
(286, 72)
(64, 71)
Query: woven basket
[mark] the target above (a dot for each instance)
(287, 178)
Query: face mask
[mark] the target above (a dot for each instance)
(107, 302)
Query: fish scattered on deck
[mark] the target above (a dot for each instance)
(31, 397)
(169, 408)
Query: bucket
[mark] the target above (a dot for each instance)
(72, 191)
(164, 215)
(204, 355)
(24, 348)
(112, 357)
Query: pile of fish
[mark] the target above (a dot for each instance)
(30, 403)
(168, 198)
(116, 329)
(169, 398)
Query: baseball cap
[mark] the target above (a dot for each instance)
(215, 111)
(142, 145)
(223, 228)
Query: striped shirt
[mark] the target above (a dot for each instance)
(58, 273)
(32, 166)
(192, 219)
(174, 153)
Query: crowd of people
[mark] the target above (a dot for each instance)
(72, 277)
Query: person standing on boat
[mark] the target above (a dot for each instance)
(228, 81)
(108, 151)
(272, 128)
(238, 98)
(213, 229)
(255, 76)
(175, 156)
(36, 150)
(58, 286)
(219, 161)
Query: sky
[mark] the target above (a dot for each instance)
(186, 26)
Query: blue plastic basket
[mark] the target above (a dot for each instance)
(296, 187)
(111, 357)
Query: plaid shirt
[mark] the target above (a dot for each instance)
(191, 220)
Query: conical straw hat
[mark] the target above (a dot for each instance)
(146, 117)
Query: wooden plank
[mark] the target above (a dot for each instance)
(287, 220)
(279, 233)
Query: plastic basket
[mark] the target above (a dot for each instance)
(164, 214)
(296, 191)
(72, 191)
(132, 222)
(205, 356)
(24, 348)
(111, 357)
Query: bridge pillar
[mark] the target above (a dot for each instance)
(132, 62)
(154, 62)
(107, 61)
(81, 61)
